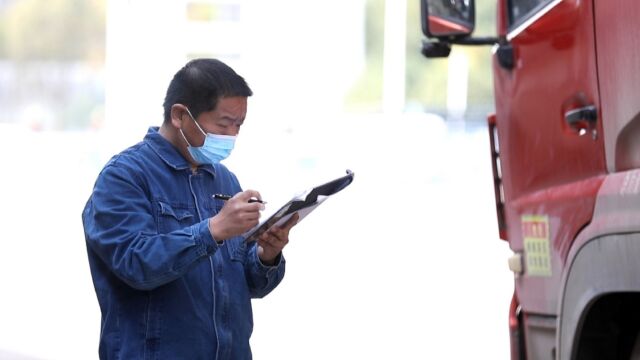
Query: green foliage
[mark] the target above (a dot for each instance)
(53, 53)
(366, 95)
(367, 92)
(63, 30)
(426, 79)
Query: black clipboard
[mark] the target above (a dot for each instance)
(302, 204)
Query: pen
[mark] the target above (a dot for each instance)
(227, 197)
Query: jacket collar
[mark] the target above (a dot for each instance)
(168, 153)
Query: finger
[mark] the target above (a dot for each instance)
(263, 239)
(243, 206)
(273, 232)
(293, 220)
(282, 231)
(242, 199)
(249, 215)
(273, 237)
(266, 245)
(249, 194)
(278, 238)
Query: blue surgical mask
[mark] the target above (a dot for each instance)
(215, 148)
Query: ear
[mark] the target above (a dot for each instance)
(178, 112)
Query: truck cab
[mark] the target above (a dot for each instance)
(565, 148)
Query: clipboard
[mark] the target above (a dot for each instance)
(302, 204)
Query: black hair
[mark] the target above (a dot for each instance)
(200, 84)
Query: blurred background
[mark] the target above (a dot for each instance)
(405, 263)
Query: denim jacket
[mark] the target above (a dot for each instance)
(166, 289)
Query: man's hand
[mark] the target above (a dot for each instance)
(271, 243)
(237, 216)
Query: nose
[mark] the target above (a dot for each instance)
(234, 130)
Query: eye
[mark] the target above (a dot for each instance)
(225, 123)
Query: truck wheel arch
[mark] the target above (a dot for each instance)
(604, 274)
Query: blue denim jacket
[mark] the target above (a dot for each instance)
(166, 289)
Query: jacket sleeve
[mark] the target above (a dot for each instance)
(262, 279)
(120, 228)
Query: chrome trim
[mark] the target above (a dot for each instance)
(520, 28)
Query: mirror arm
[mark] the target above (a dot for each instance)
(442, 47)
(476, 41)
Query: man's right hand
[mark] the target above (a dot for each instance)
(237, 216)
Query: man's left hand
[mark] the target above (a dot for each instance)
(271, 243)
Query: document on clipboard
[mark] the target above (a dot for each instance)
(302, 204)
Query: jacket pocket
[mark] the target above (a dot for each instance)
(173, 217)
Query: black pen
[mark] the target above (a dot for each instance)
(227, 197)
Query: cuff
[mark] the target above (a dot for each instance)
(266, 269)
(218, 242)
(203, 238)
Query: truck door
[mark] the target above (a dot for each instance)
(550, 136)
(618, 41)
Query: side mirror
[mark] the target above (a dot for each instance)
(447, 19)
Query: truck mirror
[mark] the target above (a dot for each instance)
(447, 18)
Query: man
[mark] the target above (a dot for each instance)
(172, 273)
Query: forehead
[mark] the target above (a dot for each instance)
(235, 106)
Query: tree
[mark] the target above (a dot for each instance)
(426, 79)
(59, 30)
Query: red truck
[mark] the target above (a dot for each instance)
(565, 145)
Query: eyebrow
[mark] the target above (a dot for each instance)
(232, 120)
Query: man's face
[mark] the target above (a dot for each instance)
(226, 119)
